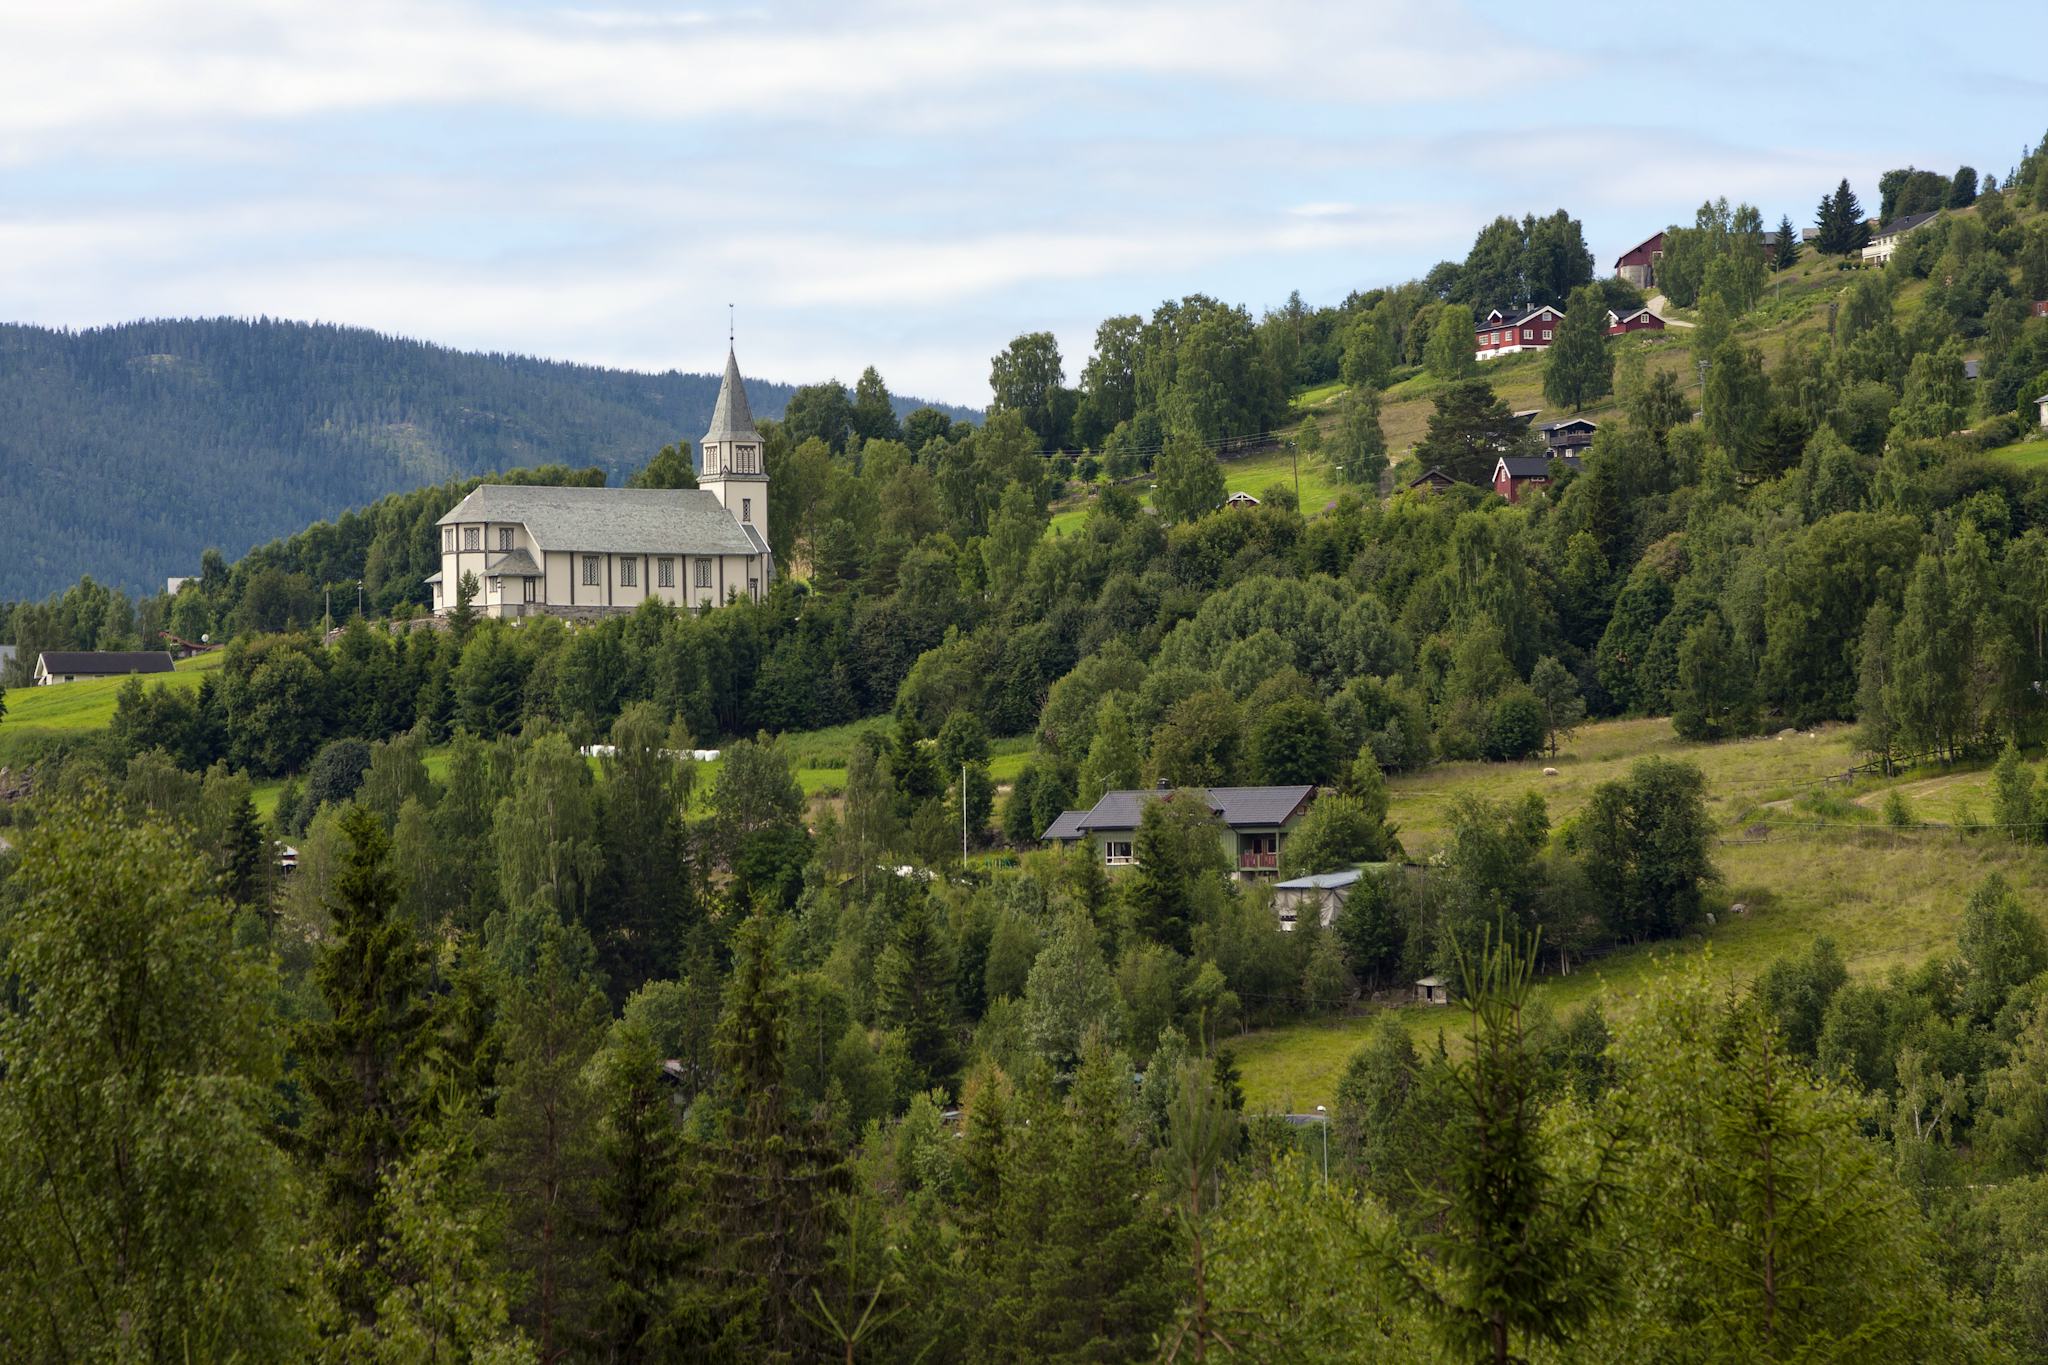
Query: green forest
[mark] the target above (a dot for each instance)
(128, 450)
(555, 1042)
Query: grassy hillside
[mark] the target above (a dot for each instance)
(1803, 849)
(74, 708)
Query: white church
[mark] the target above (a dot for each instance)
(592, 552)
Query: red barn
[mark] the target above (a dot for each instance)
(1513, 473)
(1641, 320)
(1500, 334)
(1638, 265)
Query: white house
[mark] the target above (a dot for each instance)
(586, 552)
(2041, 406)
(1891, 234)
(57, 666)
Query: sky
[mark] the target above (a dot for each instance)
(910, 185)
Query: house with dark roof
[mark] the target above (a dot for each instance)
(1514, 473)
(55, 666)
(1435, 479)
(1636, 320)
(1568, 436)
(1511, 331)
(1251, 822)
(585, 552)
(1887, 238)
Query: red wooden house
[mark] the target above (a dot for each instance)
(1513, 473)
(1638, 265)
(1641, 320)
(1502, 334)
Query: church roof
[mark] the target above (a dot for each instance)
(610, 520)
(730, 420)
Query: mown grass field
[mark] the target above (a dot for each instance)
(1821, 863)
(71, 708)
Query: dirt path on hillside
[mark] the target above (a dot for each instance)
(1658, 304)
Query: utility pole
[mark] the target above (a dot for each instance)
(1325, 1114)
(963, 813)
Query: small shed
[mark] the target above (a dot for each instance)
(1432, 990)
(1434, 480)
(1321, 894)
(2041, 405)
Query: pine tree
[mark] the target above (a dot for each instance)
(361, 1065)
(542, 1139)
(914, 988)
(1579, 368)
(1787, 254)
(640, 1198)
(771, 1179)
(1511, 1259)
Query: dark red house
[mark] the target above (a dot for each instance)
(1501, 334)
(1641, 320)
(1638, 265)
(1513, 473)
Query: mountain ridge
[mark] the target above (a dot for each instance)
(128, 449)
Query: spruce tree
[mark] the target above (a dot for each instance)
(640, 1199)
(1510, 1259)
(914, 987)
(646, 882)
(771, 1179)
(542, 1139)
(1787, 254)
(361, 1065)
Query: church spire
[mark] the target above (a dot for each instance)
(730, 419)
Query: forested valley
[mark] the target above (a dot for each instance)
(559, 1043)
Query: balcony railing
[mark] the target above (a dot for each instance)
(1257, 862)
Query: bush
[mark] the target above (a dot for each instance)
(1514, 728)
(336, 772)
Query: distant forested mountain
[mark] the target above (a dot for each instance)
(126, 451)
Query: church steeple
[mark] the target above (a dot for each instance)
(731, 458)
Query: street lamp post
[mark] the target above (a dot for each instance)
(1324, 1114)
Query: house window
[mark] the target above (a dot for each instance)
(529, 590)
(665, 571)
(703, 573)
(590, 571)
(1117, 852)
(629, 573)
(504, 538)
(746, 509)
(472, 538)
(1546, 334)
(1528, 334)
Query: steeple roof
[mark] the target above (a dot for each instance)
(730, 420)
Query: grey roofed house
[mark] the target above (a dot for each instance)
(1906, 224)
(60, 665)
(1320, 881)
(1066, 828)
(616, 520)
(1325, 892)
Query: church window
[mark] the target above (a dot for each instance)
(529, 589)
(590, 571)
(754, 588)
(665, 569)
(746, 509)
(629, 573)
(504, 537)
(703, 573)
(746, 461)
(448, 539)
(472, 538)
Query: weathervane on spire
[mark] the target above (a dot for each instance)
(730, 331)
